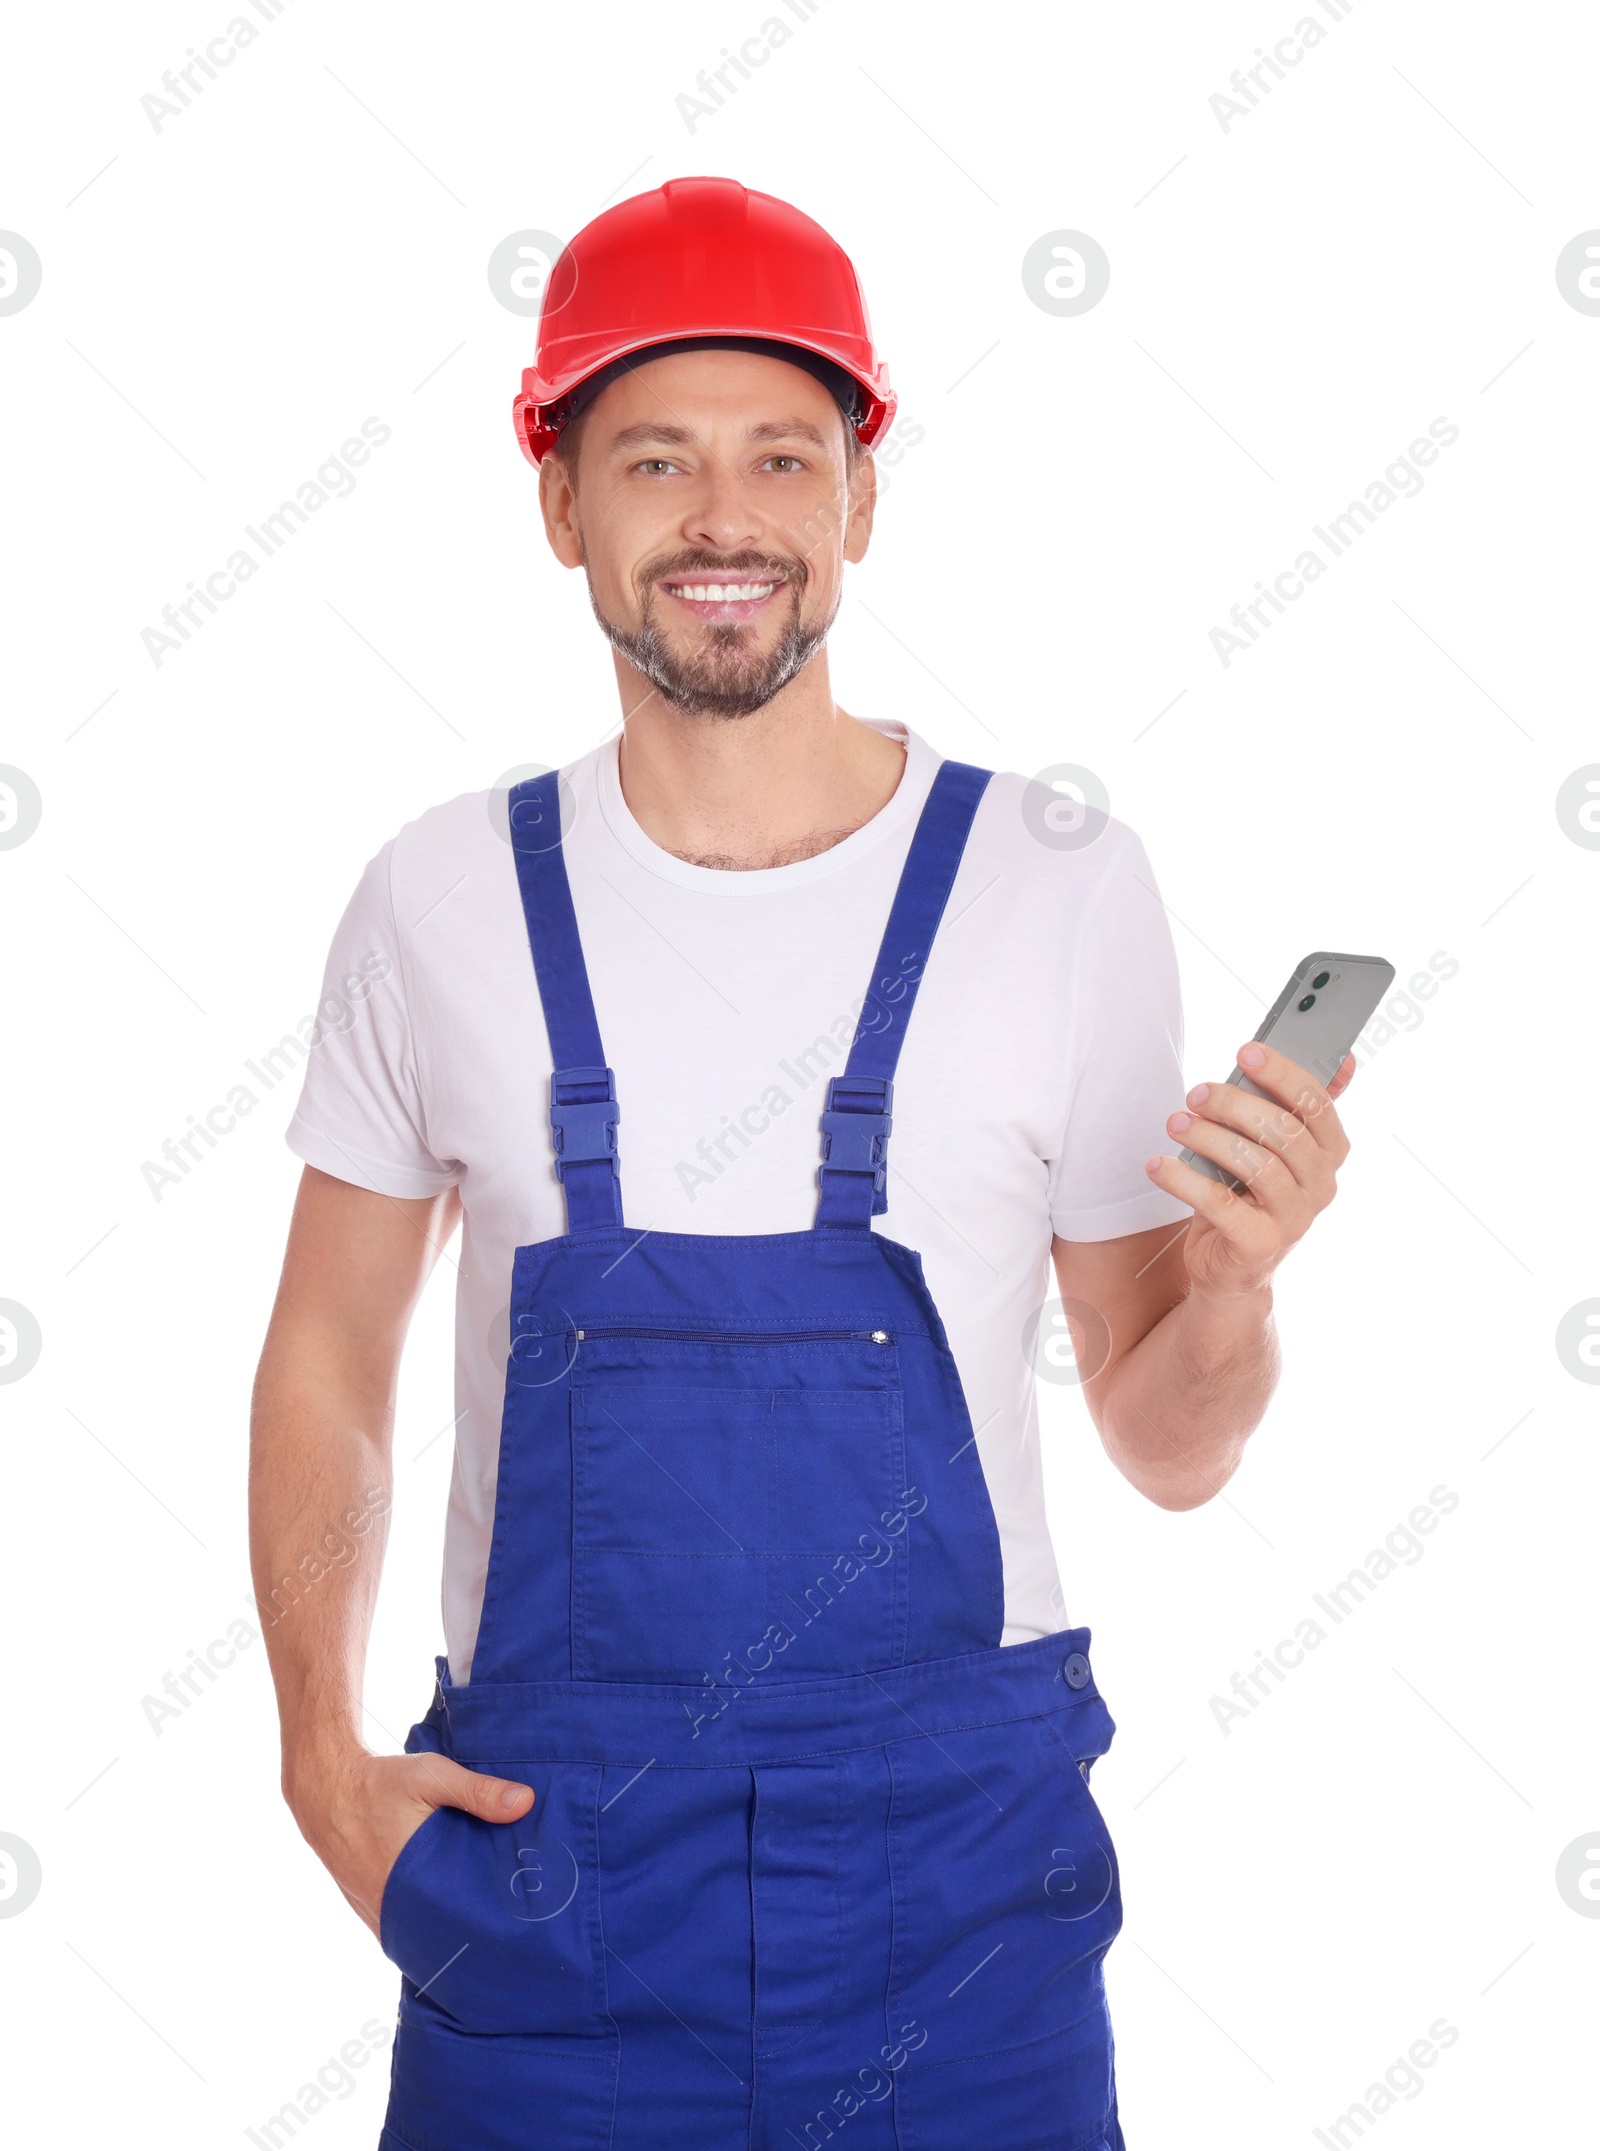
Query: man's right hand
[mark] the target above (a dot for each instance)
(357, 1813)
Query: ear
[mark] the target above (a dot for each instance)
(863, 501)
(559, 505)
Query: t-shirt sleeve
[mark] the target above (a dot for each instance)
(361, 1115)
(1127, 1073)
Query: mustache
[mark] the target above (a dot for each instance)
(747, 567)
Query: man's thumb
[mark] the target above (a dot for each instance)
(494, 1799)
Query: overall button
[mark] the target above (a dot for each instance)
(1075, 1670)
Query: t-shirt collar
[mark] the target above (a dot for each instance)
(907, 799)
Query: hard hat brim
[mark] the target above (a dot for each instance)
(540, 410)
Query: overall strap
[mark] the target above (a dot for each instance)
(583, 1091)
(855, 1124)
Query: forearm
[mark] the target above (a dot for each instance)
(320, 1481)
(320, 1485)
(1185, 1399)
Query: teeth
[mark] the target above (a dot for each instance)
(721, 593)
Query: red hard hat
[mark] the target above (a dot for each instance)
(696, 258)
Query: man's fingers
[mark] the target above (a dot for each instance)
(1298, 1090)
(1262, 1124)
(1263, 1172)
(447, 1784)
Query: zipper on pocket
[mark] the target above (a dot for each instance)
(700, 1336)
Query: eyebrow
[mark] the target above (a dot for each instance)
(660, 433)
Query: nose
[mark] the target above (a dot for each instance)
(722, 517)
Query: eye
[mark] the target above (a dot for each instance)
(783, 456)
(656, 463)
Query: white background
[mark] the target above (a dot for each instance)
(1292, 301)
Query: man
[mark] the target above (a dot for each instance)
(752, 1805)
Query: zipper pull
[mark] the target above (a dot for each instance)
(879, 1336)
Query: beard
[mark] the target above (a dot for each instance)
(728, 675)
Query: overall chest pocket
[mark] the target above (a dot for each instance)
(739, 1530)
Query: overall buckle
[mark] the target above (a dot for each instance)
(856, 1121)
(583, 1117)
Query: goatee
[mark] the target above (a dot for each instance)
(725, 678)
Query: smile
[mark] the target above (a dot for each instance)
(725, 600)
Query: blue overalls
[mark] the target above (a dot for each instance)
(810, 1855)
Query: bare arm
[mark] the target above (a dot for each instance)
(320, 1486)
(1184, 1380)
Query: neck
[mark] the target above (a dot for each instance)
(792, 779)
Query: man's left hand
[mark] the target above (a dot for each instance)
(1286, 1148)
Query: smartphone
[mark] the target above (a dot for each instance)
(1314, 1022)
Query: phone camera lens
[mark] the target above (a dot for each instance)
(1306, 1003)
(1322, 978)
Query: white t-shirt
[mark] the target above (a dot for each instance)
(1040, 1063)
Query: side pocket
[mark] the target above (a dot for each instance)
(496, 1925)
(1086, 1883)
(1005, 1887)
(393, 1883)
